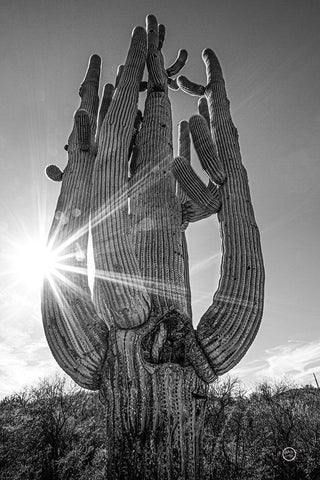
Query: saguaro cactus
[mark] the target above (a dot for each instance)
(133, 339)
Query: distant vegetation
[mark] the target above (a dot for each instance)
(55, 431)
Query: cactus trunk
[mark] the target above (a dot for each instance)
(154, 415)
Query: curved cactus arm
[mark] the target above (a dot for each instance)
(192, 213)
(76, 335)
(173, 84)
(190, 87)
(194, 187)
(229, 326)
(155, 209)
(192, 209)
(197, 203)
(178, 64)
(119, 293)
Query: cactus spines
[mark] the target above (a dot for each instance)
(119, 293)
(197, 203)
(105, 104)
(204, 111)
(76, 335)
(229, 326)
(206, 150)
(156, 213)
(193, 186)
(190, 87)
(183, 152)
(119, 73)
(82, 124)
(178, 64)
(184, 140)
(162, 34)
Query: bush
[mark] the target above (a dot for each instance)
(55, 431)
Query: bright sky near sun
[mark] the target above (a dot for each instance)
(270, 56)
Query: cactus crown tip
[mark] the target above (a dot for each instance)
(206, 52)
(138, 31)
(150, 17)
(81, 112)
(95, 58)
(195, 118)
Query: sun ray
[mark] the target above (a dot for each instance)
(32, 259)
(153, 286)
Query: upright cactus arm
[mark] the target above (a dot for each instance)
(105, 104)
(202, 201)
(174, 69)
(155, 210)
(76, 335)
(120, 295)
(229, 326)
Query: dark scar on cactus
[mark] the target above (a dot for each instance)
(166, 342)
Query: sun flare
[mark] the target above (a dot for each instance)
(32, 261)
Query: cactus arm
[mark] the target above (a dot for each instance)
(178, 64)
(119, 294)
(206, 150)
(54, 173)
(157, 80)
(204, 112)
(118, 76)
(83, 128)
(192, 213)
(155, 209)
(105, 104)
(194, 187)
(161, 35)
(184, 141)
(190, 87)
(195, 207)
(173, 84)
(76, 335)
(229, 326)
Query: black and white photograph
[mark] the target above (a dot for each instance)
(159, 240)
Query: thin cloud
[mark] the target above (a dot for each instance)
(296, 360)
(24, 355)
(19, 369)
(205, 263)
(293, 359)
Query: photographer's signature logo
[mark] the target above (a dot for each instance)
(289, 454)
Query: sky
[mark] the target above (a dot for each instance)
(269, 52)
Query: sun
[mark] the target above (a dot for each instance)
(31, 262)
